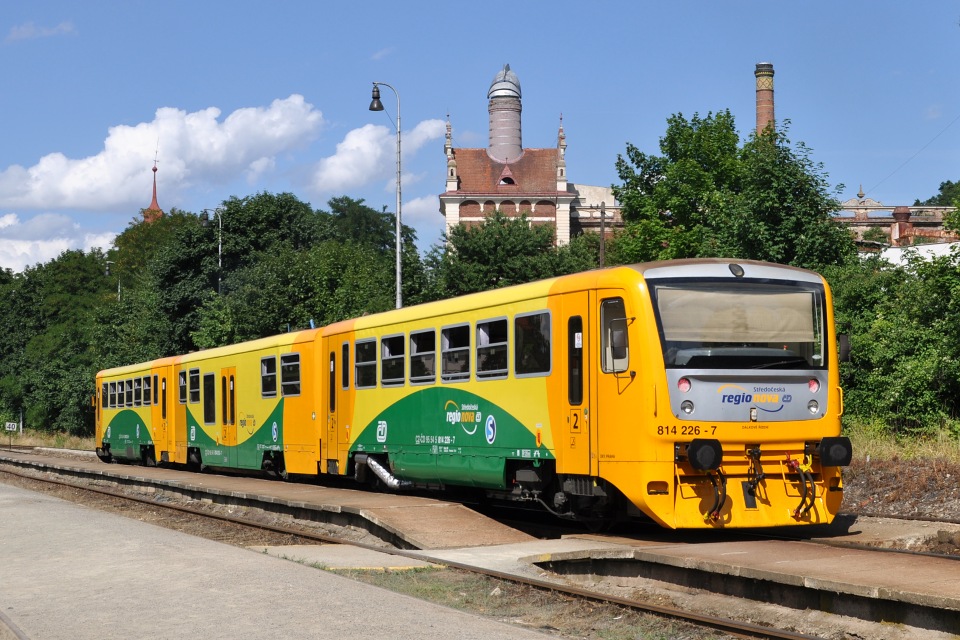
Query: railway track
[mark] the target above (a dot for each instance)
(245, 530)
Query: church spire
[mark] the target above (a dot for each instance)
(154, 211)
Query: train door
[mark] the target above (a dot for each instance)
(577, 451)
(228, 413)
(157, 418)
(616, 385)
(338, 414)
(330, 436)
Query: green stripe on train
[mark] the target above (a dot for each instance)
(266, 436)
(452, 436)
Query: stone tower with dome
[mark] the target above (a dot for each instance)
(515, 180)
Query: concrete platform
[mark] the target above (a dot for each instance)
(422, 523)
(73, 573)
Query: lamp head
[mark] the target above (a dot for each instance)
(375, 104)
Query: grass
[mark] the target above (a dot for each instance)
(875, 441)
(45, 439)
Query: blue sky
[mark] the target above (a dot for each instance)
(235, 98)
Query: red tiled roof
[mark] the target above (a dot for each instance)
(535, 172)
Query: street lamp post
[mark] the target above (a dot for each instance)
(376, 105)
(218, 212)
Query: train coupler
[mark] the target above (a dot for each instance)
(808, 488)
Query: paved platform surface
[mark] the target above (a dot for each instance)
(423, 523)
(74, 573)
(919, 580)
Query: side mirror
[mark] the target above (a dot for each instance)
(843, 347)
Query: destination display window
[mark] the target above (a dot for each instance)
(268, 377)
(365, 367)
(290, 374)
(531, 335)
(455, 353)
(392, 360)
(492, 349)
(423, 357)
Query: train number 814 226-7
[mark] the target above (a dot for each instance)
(686, 430)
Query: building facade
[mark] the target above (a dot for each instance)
(517, 181)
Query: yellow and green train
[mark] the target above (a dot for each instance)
(696, 393)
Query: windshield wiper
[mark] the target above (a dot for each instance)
(778, 363)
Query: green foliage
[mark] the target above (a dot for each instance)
(707, 196)
(503, 251)
(905, 368)
(947, 196)
(876, 234)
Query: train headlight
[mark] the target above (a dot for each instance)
(686, 406)
(813, 406)
(813, 385)
(684, 384)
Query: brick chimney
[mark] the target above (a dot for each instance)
(764, 75)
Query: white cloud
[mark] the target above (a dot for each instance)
(194, 148)
(423, 214)
(30, 31)
(370, 152)
(42, 238)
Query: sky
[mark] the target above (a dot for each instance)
(238, 98)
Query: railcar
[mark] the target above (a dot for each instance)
(696, 393)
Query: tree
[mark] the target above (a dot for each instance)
(503, 251)
(947, 196)
(708, 196)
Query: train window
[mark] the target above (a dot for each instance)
(104, 395)
(423, 357)
(492, 349)
(268, 377)
(147, 391)
(233, 401)
(156, 389)
(614, 344)
(223, 399)
(113, 395)
(575, 360)
(290, 374)
(209, 398)
(333, 382)
(137, 392)
(345, 367)
(128, 392)
(391, 360)
(455, 353)
(182, 384)
(194, 386)
(365, 367)
(531, 335)
(163, 399)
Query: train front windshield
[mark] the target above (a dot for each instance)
(740, 325)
